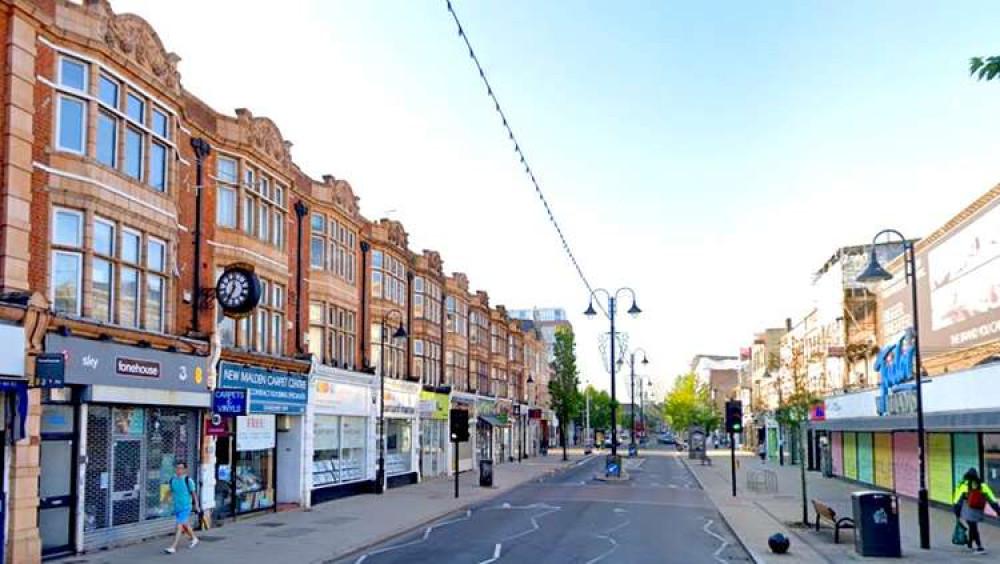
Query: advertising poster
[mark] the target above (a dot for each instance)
(965, 449)
(353, 433)
(255, 432)
(939, 464)
(326, 432)
(882, 447)
(866, 462)
(838, 453)
(906, 466)
(851, 455)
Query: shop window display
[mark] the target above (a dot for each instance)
(254, 480)
(991, 460)
(398, 446)
(338, 450)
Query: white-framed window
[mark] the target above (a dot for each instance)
(72, 124)
(388, 278)
(427, 300)
(226, 195)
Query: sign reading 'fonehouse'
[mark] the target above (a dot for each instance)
(274, 391)
(104, 363)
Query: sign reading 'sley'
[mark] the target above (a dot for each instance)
(273, 391)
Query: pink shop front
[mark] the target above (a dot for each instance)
(855, 443)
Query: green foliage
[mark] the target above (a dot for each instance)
(794, 410)
(564, 385)
(984, 68)
(689, 404)
(600, 408)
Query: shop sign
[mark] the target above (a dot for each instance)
(895, 365)
(105, 363)
(50, 370)
(400, 402)
(227, 401)
(339, 398)
(272, 391)
(434, 405)
(255, 432)
(217, 426)
(817, 412)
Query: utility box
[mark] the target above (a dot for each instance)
(876, 524)
(486, 473)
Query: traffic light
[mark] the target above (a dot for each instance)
(734, 416)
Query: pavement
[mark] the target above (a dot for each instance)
(753, 516)
(337, 528)
(659, 515)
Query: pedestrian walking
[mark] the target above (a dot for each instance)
(971, 497)
(183, 490)
(762, 452)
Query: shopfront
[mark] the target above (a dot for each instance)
(401, 428)
(466, 450)
(127, 416)
(963, 431)
(259, 455)
(13, 412)
(435, 446)
(339, 432)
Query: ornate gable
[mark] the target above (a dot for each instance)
(263, 135)
(343, 195)
(434, 262)
(397, 235)
(133, 37)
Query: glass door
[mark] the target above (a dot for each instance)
(55, 487)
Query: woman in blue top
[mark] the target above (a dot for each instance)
(183, 490)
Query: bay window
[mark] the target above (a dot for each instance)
(388, 278)
(332, 334)
(427, 361)
(426, 300)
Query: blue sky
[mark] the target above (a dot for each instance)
(710, 155)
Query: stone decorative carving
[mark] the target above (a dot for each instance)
(133, 37)
(262, 134)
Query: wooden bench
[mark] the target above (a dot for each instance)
(824, 511)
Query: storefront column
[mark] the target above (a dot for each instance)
(24, 542)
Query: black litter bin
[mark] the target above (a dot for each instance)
(486, 473)
(876, 524)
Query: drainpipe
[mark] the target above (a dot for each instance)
(201, 150)
(301, 211)
(444, 338)
(365, 247)
(408, 374)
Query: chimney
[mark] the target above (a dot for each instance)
(788, 324)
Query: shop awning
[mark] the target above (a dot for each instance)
(966, 420)
(493, 420)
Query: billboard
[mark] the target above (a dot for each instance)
(958, 287)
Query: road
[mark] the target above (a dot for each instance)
(660, 515)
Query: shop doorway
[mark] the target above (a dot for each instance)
(126, 468)
(57, 494)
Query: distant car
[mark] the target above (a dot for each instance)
(667, 439)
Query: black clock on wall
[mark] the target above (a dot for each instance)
(238, 290)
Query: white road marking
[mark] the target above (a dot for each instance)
(427, 533)
(496, 555)
(607, 536)
(722, 546)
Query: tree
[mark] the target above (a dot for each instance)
(689, 403)
(984, 68)
(793, 413)
(600, 408)
(564, 385)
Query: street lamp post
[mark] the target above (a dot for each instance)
(610, 314)
(631, 365)
(874, 272)
(400, 333)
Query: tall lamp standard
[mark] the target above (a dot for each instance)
(874, 272)
(400, 333)
(631, 365)
(610, 314)
(524, 418)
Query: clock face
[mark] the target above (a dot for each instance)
(238, 291)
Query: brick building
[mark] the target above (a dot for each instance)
(130, 212)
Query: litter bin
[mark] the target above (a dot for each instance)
(486, 473)
(876, 524)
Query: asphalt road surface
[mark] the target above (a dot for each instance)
(660, 515)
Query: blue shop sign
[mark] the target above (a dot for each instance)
(895, 364)
(271, 391)
(230, 401)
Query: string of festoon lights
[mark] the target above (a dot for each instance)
(517, 148)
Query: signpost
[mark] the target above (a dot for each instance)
(459, 419)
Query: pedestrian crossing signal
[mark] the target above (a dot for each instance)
(734, 416)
